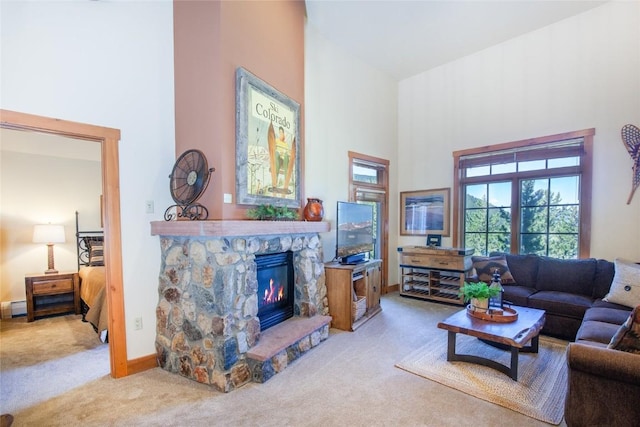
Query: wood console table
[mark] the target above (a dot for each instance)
(434, 273)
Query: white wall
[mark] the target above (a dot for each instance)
(349, 106)
(579, 73)
(39, 189)
(107, 64)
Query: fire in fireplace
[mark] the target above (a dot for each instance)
(275, 288)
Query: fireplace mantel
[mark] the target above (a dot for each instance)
(225, 228)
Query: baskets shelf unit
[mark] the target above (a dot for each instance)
(353, 292)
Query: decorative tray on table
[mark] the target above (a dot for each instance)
(504, 315)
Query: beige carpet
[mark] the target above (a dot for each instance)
(54, 373)
(542, 378)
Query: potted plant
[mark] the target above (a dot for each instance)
(478, 294)
(272, 213)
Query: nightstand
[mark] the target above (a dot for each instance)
(52, 294)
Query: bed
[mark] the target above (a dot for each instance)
(91, 270)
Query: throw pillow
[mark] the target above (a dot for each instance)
(95, 250)
(523, 268)
(96, 256)
(486, 266)
(625, 288)
(627, 338)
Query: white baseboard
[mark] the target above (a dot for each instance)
(13, 308)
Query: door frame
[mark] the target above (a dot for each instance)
(109, 139)
(382, 187)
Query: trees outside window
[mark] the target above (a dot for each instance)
(524, 197)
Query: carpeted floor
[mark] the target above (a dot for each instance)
(542, 377)
(350, 379)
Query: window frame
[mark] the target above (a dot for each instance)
(584, 170)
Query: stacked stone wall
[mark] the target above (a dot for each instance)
(207, 310)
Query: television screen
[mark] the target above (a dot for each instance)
(355, 229)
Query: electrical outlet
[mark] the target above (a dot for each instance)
(138, 323)
(227, 198)
(149, 206)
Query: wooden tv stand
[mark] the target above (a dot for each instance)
(344, 283)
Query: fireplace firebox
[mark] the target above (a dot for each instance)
(275, 288)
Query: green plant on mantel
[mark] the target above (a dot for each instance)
(477, 290)
(272, 213)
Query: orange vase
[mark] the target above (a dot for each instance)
(313, 211)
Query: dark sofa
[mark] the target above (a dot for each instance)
(564, 288)
(603, 384)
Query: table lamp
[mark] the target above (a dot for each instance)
(49, 234)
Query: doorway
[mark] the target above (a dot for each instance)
(369, 183)
(108, 138)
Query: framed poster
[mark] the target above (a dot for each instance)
(267, 144)
(425, 212)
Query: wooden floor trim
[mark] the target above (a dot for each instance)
(141, 364)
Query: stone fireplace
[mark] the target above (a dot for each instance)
(207, 326)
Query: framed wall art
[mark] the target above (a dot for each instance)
(267, 144)
(434, 240)
(425, 212)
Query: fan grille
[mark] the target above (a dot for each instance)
(189, 177)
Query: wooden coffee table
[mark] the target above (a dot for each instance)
(513, 336)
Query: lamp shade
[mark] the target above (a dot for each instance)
(48, 233)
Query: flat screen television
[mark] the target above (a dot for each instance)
(354, 232)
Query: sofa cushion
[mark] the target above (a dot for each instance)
(562, 303)
(605, 304)
(598, 332)
(517, 295)
(523, 268)
(604, 276)
(485, 267)
(607, 315)
(627, 338)
(625, 288)
(574, 276)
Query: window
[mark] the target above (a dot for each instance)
(528, 196)
(369, 183)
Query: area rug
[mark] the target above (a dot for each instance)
(542, 378)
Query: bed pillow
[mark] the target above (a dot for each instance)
(627, 338)
(486, 266)
(96, 256)
(625, 288)
(96, 252)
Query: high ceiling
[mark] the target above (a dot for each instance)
(405, 38)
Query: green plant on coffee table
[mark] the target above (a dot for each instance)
(478, 290)
(272, 213)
